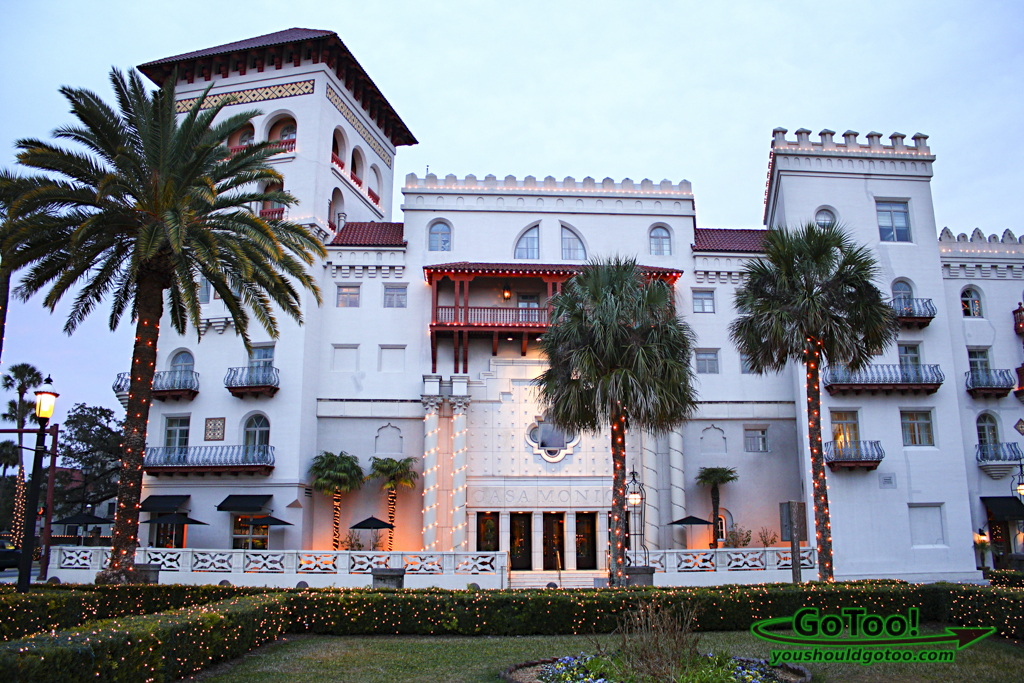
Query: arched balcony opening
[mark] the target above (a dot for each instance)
(238, 140)
(272, 209)
(284, 132)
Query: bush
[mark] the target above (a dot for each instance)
(1005, 578)
(156, 647)
(62, 607)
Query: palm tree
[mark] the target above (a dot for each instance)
(147, 206)
(9, 457)
(334, 474)
(20, 377)
(715, 477)
(618, 355)
(394, 475)
(811, 295)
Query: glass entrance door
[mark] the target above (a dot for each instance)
(554, 541)
(586, 540)
(520, 541)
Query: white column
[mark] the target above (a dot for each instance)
(603, 546)
(460, 405)
(652, 516)
(538, 542)
(678, 490)
(569, 557)
(431, 429)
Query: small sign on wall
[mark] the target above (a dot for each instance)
(214, 429)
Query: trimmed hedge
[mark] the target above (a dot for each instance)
(156, 647)
(57, 608)
(1005, 578)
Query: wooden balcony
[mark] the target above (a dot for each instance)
(853, 454)
(885, 379)
(272, 214)
(338, 163)
(913, 312)
(257, 380)
(989, 383)
(501, 318)
(202, 460)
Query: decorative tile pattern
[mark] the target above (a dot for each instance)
(349, 115)
(423, 564)
(315, 563)
(268, 92)
(75, 559)
(214, 429)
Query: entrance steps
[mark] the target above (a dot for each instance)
(531, 579)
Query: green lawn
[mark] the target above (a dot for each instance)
(387, 659)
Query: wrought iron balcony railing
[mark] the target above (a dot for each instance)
(209, 456)
(253, 380)
(121, 383)
(917, 312)
(999, 452)
(854, 454)
(272, 214)
(985, 383)
(903, 378)
(166, 383)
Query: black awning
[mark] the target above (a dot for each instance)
(244, 503)
(1004, 508)
(163, 503)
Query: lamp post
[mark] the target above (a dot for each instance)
(46, 398)
(636, 499)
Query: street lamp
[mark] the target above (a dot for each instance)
(46, 399)
(636, 499)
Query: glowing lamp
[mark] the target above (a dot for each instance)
(506, 292)
(634, 499)
(1020, 489)
(46, 400)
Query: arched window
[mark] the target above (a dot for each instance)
(529, 244)
(356, 167)
(440, 237)
(902, 290)
(182, 362)
(572, 246)
(257, 431)
(988, 430)
(720, 528)
(274, 204)
(245, 137)
(970, 300)
(824, 217)
(661, 242)
(288, 131)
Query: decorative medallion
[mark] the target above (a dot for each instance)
(1019, 426)
(549, 442)
(214, 429)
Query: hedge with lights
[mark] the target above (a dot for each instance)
(1005, 578)
(58, 607)
(156, 647)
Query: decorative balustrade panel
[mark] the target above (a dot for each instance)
(744, 559)
(253, 376)
(422, 564)
(492, 315)
(855, 451)
(272, 214)
(695, 560)
(364, 563)
(208, 456)
(885, 374)
(266, 561)
(336, 160)
(476, 563)
(72, 558)
(171, 380)
(784, 558)
(318, 563)
(999, 452)
(913, 308)
(356, 179)
(283, 145)
(374, 197)
(211, 561)
(167, 560)
(990, 379)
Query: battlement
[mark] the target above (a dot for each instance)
(850, 145)
(511, 185)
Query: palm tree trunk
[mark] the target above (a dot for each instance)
(149, 308)
(715, 500)
(18, 513)
(822, 524)
(337, 519)
(5, 298)
(617, 570)
(392, 501)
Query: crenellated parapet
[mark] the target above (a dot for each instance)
(531, 185)
(827, 144)
(979, 255)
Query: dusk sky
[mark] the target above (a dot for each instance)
(641, 90)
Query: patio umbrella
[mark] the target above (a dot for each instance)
(177, 519)
(263, 521)
(83, 519)
(372, 523)
(690, 520)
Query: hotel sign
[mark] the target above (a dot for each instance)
(540, 497)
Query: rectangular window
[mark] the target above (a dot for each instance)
(177, 432)
(910, 355)
(845, 429)
(917, 428)
(703, 302)
(247, 533)
(755, 440)
(926, 527)
(707, 362)
(204, 290)
(745, 365)
(394, 296)
(978, 359)
(348, 296)
(261, 357)
(893, 221)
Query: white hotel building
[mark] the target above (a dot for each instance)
(426, 347)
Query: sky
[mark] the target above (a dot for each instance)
(676, 90)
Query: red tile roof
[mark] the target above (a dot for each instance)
(370, 235)
(532, 269)
(718, 239)
(289, 35)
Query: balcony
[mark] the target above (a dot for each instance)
(356, 179)
(272, 214)
(492, 316)
(886, 379)
(176, 384)
(257, 380)
(853, 454)
(374, 197)
(989, 383)
(236, 149)
(1018, 319)
(913, 312)
(203, 460)
(338, 163)
(283, 145)
(998, 459)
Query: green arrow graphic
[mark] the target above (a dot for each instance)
(963, 637)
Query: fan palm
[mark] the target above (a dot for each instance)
(618, 355)
(812, 295)
(147, 207)
(394, 475)
(9, 457)
(715, 477)
(334, 474)
(20, 378)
